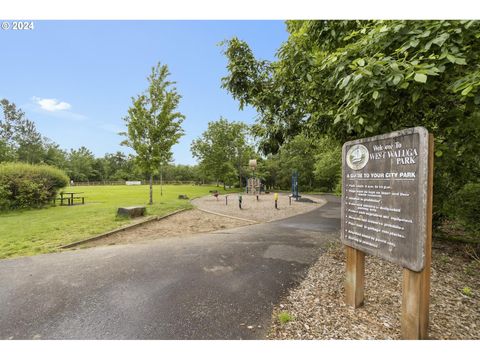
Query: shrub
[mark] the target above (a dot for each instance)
(285, 317)
(24, 185)
(467, 291)
(464, 205)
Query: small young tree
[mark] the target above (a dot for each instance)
(153, 124)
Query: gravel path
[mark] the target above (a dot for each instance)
(197, 221)
(262, 210)
(318, 309)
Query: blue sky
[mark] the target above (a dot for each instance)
(75, 79)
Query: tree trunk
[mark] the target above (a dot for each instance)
(239, 175)
(151, 189)
(161, 180)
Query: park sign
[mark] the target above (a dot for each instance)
(387, 187)
(384, 196)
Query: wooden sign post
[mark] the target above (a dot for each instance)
(355, 282)
(387, 212)
(416, 285)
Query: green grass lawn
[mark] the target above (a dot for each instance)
(37, 231)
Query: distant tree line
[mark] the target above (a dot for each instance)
(20, 141)
(223, 151)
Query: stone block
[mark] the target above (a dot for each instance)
(132, 211)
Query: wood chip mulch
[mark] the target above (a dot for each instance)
(318, 311)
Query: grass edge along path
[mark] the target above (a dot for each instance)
(39, 231)
(145, 220)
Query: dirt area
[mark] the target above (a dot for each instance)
(197, 221)
(185, 222)
(262, 210)
(316, 308)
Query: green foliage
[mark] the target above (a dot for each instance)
(224, 150)
(24, 185)
(353, 79)
(270, 172)
(318, 162)
(117, 166)
(153, 124)
(284, 317)
(464, 206)
(467, 291)
(299, 154)
(328, 164)
(7, 153)
(182, 173)
(80, 164)
(20, 141)
(54, 156)
(19, 135)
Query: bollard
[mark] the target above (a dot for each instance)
(289, 199)
(240, 201)
(226, 199)
(276, 200)
(257, 197)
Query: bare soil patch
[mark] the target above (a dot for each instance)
(319, 312)
(197, 221)
(183, 223)
(261, 210)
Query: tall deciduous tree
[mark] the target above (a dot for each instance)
(19, 135)
(80, 164)
(352, 79)
(223, 150)
(55, 156)
(154, 124)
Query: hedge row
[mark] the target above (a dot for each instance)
(24, 185)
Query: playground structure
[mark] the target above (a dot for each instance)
(254, 186)
(295, 185)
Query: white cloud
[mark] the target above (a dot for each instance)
(52, 105)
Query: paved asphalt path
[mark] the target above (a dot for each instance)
(203, 286)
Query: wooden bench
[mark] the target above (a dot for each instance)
(80, 197)
(68, 200)
(61, 200)
(69, 197)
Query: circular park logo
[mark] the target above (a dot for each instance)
(357, 157)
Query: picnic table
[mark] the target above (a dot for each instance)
(69, 197)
